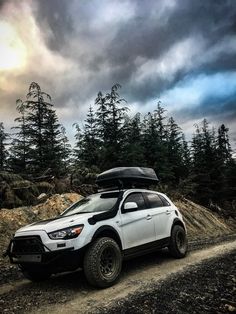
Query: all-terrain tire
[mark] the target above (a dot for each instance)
(103, 262)
(178, 242)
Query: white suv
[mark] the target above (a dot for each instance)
(97, 233)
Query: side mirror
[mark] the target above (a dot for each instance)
(130, 206)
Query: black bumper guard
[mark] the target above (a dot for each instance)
(47, 257)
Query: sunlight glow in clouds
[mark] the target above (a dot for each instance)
(13, 51)
(24, 53)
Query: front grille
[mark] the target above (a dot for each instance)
(27, 245)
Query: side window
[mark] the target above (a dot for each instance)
(137, 198)
(154, 200)
(164, 201)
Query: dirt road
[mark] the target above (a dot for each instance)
(69, 293)
(204, 288)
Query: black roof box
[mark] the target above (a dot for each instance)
(124, 177)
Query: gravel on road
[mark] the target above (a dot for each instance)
(206, 288)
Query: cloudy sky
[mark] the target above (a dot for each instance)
(182, 52)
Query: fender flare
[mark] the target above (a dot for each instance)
(177, 221)
(108, 229)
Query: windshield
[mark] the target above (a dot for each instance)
(94, 203)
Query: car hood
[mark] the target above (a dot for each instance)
(57, 223)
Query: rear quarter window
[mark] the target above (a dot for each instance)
(156, 200)
(164, 201)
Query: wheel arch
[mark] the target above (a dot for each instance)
(107, 231)
(178, 222)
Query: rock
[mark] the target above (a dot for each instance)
(230, 308)
(42, 196)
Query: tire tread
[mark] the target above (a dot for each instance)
(173, 249)
(90, 262)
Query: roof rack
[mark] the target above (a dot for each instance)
(107, 189)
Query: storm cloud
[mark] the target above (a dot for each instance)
(154, 49)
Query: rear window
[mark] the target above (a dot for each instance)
(154, 200)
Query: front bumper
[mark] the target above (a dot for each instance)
(38, 255)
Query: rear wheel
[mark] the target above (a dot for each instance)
(178, 243)
(102, 263)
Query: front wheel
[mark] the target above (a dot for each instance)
(178, 242)
(102, 263)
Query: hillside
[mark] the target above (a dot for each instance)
(201, 223)
(13, 219)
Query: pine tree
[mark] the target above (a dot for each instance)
(159, 121)
(37, 105)
(77, 152)
(101, 115)
(155, 144)
(37, 142)
(110, 118)
(223, 145)
(88, 142)
(65, 151)
(174, 144)
(151, 140)
(3, 151)
(186, 185)
(132, 151)
(205, 173)
(53, 149)
(186, 158)
(20, 147)
(226, 187)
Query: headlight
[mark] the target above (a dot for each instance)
(67, 233)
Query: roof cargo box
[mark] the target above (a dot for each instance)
(127, 177)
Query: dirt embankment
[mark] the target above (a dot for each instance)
(13, 219)
(202, 223)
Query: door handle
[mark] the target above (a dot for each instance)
(149, 217)
(168, 212)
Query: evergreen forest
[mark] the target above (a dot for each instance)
(37, 157)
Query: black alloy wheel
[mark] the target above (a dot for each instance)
(103, 262)
(178, 242)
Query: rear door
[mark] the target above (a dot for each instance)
(162, 213)
(137, 227)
